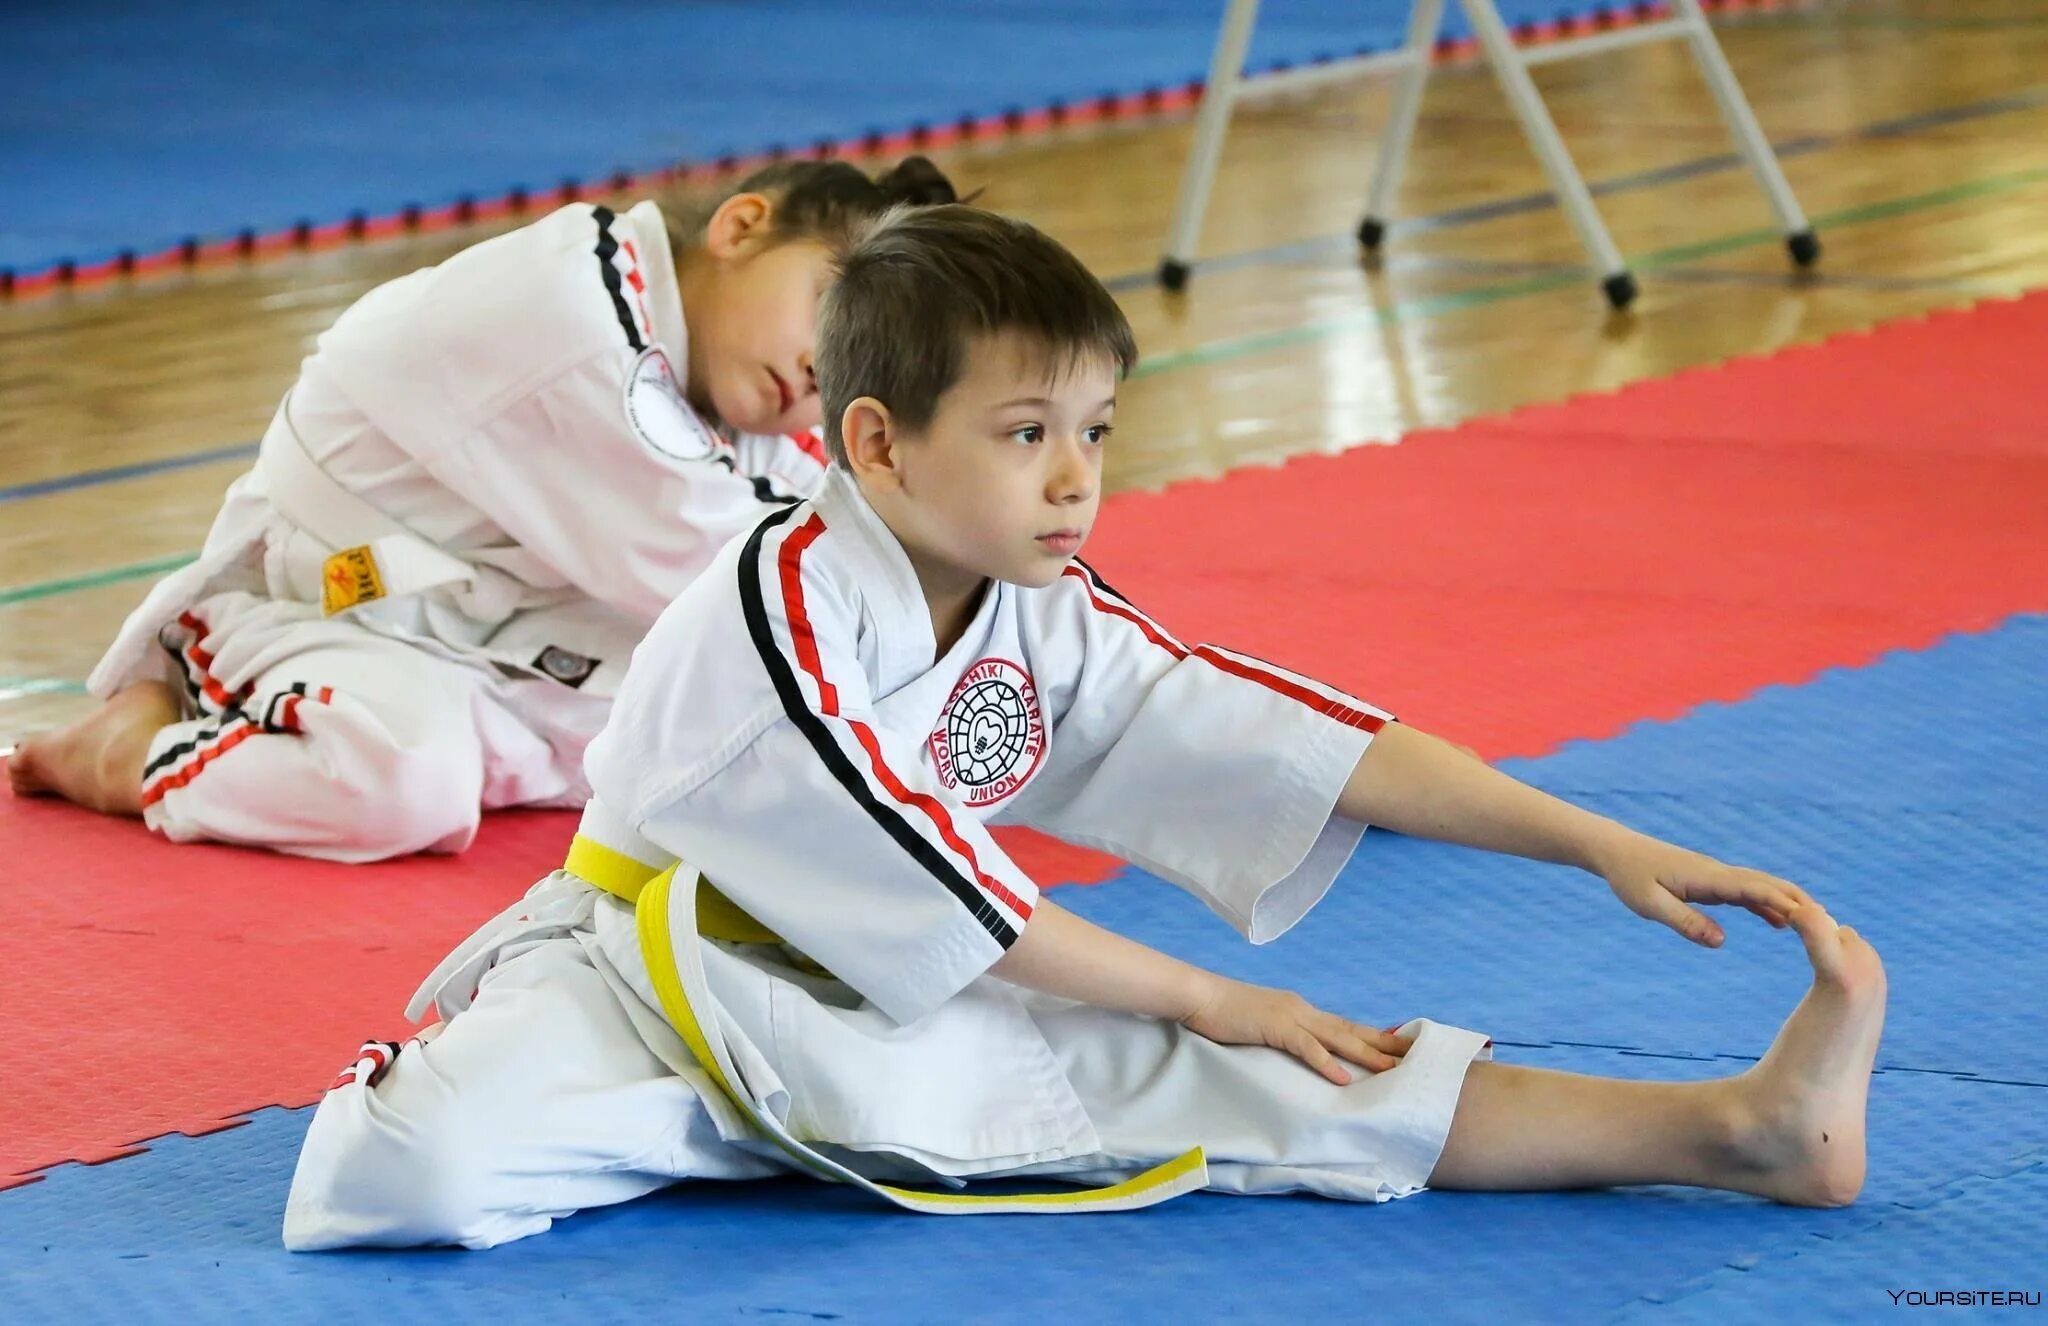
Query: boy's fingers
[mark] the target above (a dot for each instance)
(1388, 1041)
(1385, 1042)
(1343, 1035)
(1688, 921)
(1311, 1052)
(1755, 890)
(1794, 896)
(1360, 1051)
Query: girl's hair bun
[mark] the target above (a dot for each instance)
(916, 181)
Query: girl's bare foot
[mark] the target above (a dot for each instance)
(97, 761)
(1798, 1115)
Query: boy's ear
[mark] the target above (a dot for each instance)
(740, 225)
(870, 435)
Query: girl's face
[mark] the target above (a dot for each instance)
(751, 301)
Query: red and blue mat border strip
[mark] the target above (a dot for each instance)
(308, 236)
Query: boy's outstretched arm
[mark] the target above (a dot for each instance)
(1059, 953)
(1413, 783)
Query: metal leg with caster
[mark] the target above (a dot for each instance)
(1800, 241)
(1227, 86)
(1424, 20)
(1219, 97)
(1511, 67)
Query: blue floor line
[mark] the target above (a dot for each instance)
(117, 473)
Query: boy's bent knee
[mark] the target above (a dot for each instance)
(396, 1169)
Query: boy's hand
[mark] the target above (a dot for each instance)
(1656, 881)
(1234, 1013)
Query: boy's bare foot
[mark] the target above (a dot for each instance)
(98, 760)
(1798, 1135)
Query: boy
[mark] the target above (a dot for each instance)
(872, 992)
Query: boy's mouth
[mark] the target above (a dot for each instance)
(786, 397)
(1064, 542)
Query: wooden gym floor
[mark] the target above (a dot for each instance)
(1915, 133)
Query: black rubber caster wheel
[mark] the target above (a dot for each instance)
(1620, 290)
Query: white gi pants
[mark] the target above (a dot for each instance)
(317, 737)
(542, 1098)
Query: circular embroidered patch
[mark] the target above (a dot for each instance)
(565, 666)
(990, 736)
(660, 417)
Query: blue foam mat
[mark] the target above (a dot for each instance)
(1955, 729)
(1982, 1235)
(1909, 797)
(189, 1229)
(133, 125)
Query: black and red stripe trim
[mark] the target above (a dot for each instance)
(807, 720)
(614, 284)
(1235, 662)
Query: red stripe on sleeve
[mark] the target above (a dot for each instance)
(1322, 704)
(1152, 633)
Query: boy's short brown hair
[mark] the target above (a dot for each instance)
(918, 288)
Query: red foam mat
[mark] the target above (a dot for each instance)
(1570, 569)
(1513, 583)
(150, 988)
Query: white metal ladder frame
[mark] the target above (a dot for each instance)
(1227, 85)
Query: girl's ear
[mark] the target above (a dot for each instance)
(741, 225)
(870, 435)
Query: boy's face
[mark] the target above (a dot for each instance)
(1005, 481)
(754, 324)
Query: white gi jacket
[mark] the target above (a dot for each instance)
(786, 731)
(518, 457)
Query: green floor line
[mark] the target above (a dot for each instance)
(1384, 315)
(93, 580)
(12, 688)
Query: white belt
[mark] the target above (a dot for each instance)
(373, 555)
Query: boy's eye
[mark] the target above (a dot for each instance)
(1099, 434)
(1029, 433)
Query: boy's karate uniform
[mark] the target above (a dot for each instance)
(785, 732)
(483, 488)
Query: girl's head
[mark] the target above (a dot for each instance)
(752, 269)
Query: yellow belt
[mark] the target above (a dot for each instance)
(718, 916)
(649, 891)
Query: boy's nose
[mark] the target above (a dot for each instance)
(1073, 477)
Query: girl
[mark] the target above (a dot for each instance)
(489, 478)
